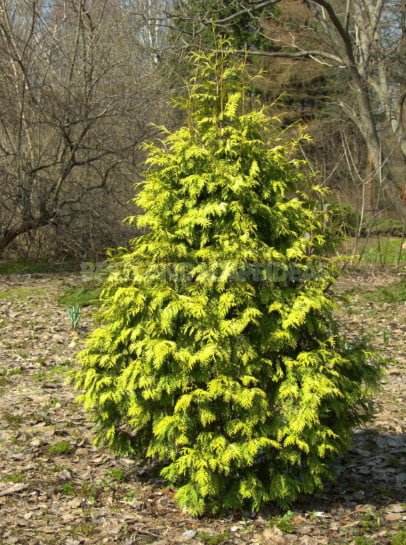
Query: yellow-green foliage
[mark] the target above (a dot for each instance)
(229, 371)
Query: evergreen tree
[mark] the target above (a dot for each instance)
(217, 352)
(196, 20)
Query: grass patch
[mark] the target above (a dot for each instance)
(85, 529)
(116, 474)
(23, 267)
(13, 420)
(284, 522)
(59, 369)
(131, 494)
(376, 250)
(362, 540)
(61, 448)
(395, 461)
(67, 489)
(399, 538)
(213, 539)
(90, 491)
(52, 373)
(80, 297)
(22, 293)
(13, 478)
(396, 293)
(370, 521)
(14, 371)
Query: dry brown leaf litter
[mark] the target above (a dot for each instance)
(57, 488)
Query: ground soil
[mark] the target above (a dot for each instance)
(56, 487)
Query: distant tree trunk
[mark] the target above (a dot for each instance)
(10, 234)
(362, 40)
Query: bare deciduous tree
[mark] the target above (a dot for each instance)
(76, 93)
(363, 40)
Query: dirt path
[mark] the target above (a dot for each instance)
(56, 488)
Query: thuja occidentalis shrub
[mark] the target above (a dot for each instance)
(217, 352)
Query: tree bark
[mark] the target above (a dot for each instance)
(15, 231)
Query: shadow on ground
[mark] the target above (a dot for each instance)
(373, 472)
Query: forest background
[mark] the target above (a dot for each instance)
(83, 84)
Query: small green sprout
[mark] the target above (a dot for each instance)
(74, 315)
